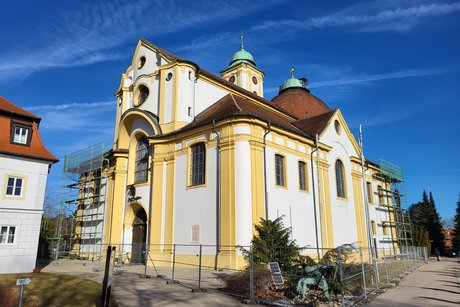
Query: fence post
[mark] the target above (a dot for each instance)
(376, 270)
(251, 275)
(174, 262)
(341, 276)
(386, 265)
(199, 272)
(363, 271)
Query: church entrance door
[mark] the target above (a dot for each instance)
(139, 237)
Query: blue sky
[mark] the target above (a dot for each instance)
(392, 66)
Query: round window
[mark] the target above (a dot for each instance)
(232, 79)
(141, 62)
(254, 80)
(337, 127)
(141, 95)
(169, 76)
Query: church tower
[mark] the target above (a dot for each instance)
(243, 72)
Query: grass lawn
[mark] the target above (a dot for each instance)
(48, 289)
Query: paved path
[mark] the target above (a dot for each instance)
(436, 283)
(131, 290)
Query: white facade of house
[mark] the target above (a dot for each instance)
(18, 254)
(24, 166)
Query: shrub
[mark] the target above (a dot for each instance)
(238, 283)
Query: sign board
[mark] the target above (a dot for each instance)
(23, 281)
(277, 277)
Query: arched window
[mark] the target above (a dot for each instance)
(198, 164)
(340, 179)
(142, 161)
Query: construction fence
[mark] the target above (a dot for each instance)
(344, 275)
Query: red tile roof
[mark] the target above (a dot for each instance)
(36, 149)
(8, 107)
(235, 106)
(314, 125)
(300, 103)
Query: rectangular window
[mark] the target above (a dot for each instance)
(369, 192)
(7, 234)
(20, 134)
(374, 228)
(198, 164)
(14, 186)
(279, 169)
(302, 176)
(385, 229)
(381, 198)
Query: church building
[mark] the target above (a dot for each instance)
(200, 159)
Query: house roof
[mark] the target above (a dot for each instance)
(8, 107)
(236, 106)
(299, 102)
(14, 114)
(314, 125)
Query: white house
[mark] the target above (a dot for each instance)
(24, 167)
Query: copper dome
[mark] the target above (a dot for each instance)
(300, 103)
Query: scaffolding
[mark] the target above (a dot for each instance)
(390, 212)
(83, 200)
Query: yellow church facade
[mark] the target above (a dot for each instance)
(199, 159)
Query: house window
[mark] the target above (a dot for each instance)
(142, 161)
(14, 186)
(20, 134)
(302, 176)
(198, 163)
(340, 179)
(385, 228)
(374, 228)
(380, 191)
(369, 192)
(279, 169)
(7, 234)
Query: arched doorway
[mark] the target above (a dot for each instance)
(139, 237)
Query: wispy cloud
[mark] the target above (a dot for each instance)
(372, 16)
(96, 32)
(378, 77)
(65, 106)
(455, 170)
(366, 79)
(395, 19)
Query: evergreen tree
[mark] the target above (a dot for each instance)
(425, 216)
(273, 243)
(420, 237)
(435, 227)
(457, 226)
(419, 212)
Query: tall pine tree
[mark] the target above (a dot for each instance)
(457, 226)
(435, 227)
(425, 216)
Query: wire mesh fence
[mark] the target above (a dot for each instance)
(344, 275)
